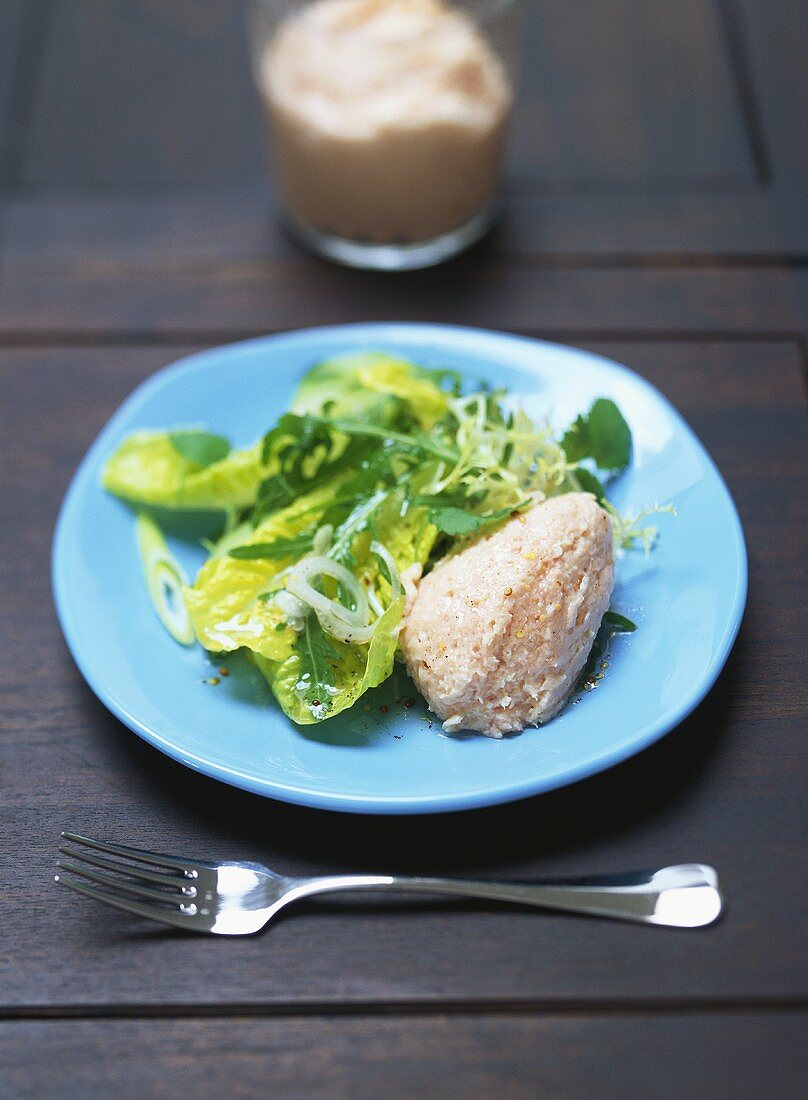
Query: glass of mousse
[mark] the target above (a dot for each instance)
(388, 121)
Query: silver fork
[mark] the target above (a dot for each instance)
(237, 899)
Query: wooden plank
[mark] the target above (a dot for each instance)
(772, 38)
(769, 44)
(169, 231)
(156, 232)
(140, 95)
(15, 42)
(194, 299)
(628, 91)
(709, 1056)
(726, 787)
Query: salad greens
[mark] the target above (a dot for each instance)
(201, 448)
(379, 468)
(149, 468)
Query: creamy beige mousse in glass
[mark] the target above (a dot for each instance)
(388, 120)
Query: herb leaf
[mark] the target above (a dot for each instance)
(454, 521)
(414, 440)
(589, 483)
(316, 681)
(458, 521)
(602, 435)
(618, 624)
(293, 547)
(200, 447)
(307, 453)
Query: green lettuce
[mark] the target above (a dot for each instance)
(225, 601)
(352, 385)
(150, 468)
(322, 676)
(312, 675)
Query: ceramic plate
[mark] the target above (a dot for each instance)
(687, 597)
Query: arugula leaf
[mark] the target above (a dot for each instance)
(306, 452)
(317, 656)
(589, 483)
(619, 624)
(342, 679)
(414, 440)
(199, 447)
(294, 437)
(602, 435)
(274, 493)
(294, 547)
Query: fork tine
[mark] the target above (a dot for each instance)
(138, 873)
(154, 858)
(154, 912)
(130, 887)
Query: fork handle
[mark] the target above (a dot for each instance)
(682, 896)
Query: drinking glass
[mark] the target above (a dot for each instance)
(387, 122)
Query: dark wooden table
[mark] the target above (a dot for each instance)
(657, 213)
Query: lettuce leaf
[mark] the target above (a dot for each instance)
(149, 469)
(313, 676)
(405, 530)
(335, 385)
(353, 385)
(322, 677)
(224, 602)
(200, 447)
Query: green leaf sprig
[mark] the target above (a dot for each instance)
(200, 447)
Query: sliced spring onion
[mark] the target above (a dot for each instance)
(322, 538)
(345, 623)
(293, 608)
(164, 580)
(338, 628)
(375, 603)
(317, 565)
(396, 586)
(381, 551)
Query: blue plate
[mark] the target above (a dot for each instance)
(382, 757)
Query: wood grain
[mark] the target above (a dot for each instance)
(773, 38)
(744, 1055)
(627, 92)
(143, 94)
(166, 232)
(223, 300)
(655, 211)
(725, 787)
(14, 42)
